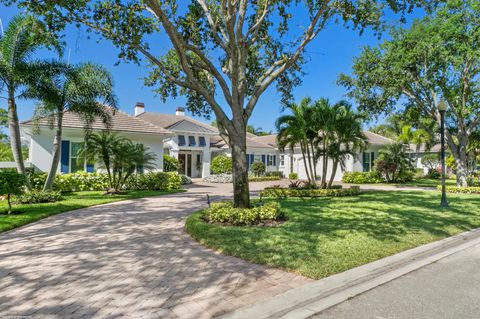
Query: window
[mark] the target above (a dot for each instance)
(191, 141)
(77, 162)
(271, 160)
(181, 140)
(368, 160)
(282, 160)
(201, 141)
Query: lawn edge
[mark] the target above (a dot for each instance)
(313, 298)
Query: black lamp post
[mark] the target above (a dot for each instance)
(442, 107)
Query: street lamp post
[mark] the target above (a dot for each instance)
(442, 107)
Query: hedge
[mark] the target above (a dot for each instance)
(83, 181)
(263, 178)
(225, 213)
(362, 177)
(35, 197)
(278, 192)
(461, 190)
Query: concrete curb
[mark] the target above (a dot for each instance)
(307, 300)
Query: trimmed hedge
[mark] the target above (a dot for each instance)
(263, 178)
(228, 178)
(363, 177)
(461, 190)
(278, 192)
(225, 213)
(82, 181)
(35, 197)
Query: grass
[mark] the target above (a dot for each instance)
(28, 213)
(428, 182)
(329, 235)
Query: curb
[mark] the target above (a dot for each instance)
(312, 298)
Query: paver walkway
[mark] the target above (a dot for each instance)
(128, 259)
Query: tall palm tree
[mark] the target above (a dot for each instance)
(347, 138)
(23, 37)
(85, 90)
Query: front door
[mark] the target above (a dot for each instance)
(185, 164)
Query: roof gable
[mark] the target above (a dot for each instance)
(188, 126)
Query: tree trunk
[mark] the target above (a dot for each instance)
(459, 152)
(334, 171)
(9, 204)
(14, 127)
(57, 140)
(241, 192)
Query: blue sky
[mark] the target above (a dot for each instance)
(330, 54)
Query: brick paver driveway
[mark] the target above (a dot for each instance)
(128, 259)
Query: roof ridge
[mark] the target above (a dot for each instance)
(379, 135)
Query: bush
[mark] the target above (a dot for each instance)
(433, 174)
(170, 163)
(11, 183)
(35, 197)
(274, 173)
(461, 190)
(164, 181)
(278, 192)
(219, 178)
(362, 177)
(184, 180)
(405, 176)
(74, 182)
(293, 176)
(263, 178)
(225, 213)
(258, 168)
(221, 164)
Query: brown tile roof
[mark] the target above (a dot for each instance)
(375, 139)
(121, 122)
(170, 120)
(267, 139)
(218, 142)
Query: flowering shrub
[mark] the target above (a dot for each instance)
(461, 190)
(225, 213)
(185, 179)
(219, 178)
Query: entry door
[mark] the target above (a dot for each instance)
(189, 165)
(182, 158)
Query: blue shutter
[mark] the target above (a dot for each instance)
(248, 160)
(140, 169)
(252, 159)
(90, 168)
(274, 160)
(263, 159)
(65, 157)
(268, 160)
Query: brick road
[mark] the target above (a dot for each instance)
(129, 259)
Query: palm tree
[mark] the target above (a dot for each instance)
(347, 138)
(85, 90)
(23, 37)
(120, 157)
(393, 161)
(418, 137)
(294, 130)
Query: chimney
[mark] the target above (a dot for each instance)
(180, 111)
(139, 108)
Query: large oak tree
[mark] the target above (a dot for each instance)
(222, 55)
(437, 58)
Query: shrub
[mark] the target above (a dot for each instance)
(433, 174)
(461, 190)
(274, 173)
(184, 180)
(170, 163)
(258, 168)
(35, 196)
(11, 183)
(394, 163)
(362, 177)
(431, 161)
(221, 164)
(293, 176)
(263, 178)
(225, 213)
(154, 181)
(277, 192)
(73, 182)
(219, 178)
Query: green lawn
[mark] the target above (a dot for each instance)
(427, 182)
(24, 214)
(329, 235)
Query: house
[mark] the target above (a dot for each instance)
(192, 142)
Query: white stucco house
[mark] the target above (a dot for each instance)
(193, 142)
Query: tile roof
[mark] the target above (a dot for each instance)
(177, 123)
(121, 121)
(218, 142)
(270, 139)
(375, 139)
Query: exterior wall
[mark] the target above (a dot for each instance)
(41, 145)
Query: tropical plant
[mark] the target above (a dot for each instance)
(431, 161)
(258, 168)
(119, 156)
(11, 183)
(417, 137)
(85, 90)
(22, 38)
(394, 163)
(222, 56)
(221, 164)
(170, 163)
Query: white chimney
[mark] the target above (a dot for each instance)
(180, 111)
(139, 108)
